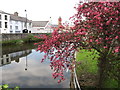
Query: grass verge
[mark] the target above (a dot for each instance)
(88, 60)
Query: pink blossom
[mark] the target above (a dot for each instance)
(105, 47)
(100, 27)
(59, 81)
(116, 37)
(108, 22)
(91, 40)
(96, 40)
(106, 9)
(116, 50)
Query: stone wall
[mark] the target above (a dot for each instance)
(7, 36)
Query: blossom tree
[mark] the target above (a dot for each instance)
(100, 30)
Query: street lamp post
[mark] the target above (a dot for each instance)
(26, 18)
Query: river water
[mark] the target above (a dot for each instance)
(21, 67)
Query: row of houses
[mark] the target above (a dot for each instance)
(13, 23)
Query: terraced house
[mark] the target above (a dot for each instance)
(13, 23)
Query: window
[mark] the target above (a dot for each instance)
(2, 62)
(5, 17)
(10, 27)
(0, 24)
(0, 16)
(7, 59)
(16, 27)
(11, 31)
(30, 24)
(17, 31)
(5, 24)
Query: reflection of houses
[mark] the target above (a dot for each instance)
(41, 27)
(6, 59)
(12, 23)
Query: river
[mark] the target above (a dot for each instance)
(21, 67)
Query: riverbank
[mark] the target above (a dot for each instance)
(28, 39)
(21, 40)
(86, 69)
(93, 73)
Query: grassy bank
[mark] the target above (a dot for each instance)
(93, 73)
(87, 69)
(28, 39)
(88, 61)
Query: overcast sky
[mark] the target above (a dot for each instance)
(39, 10)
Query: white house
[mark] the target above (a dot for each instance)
(41, 27)
(12, 23)
(18, 24)
(4, 22)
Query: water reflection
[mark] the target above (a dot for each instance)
(8, 58)
(22, 67)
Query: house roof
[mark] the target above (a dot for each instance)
(3, 12)
(39, 23)
(18, 18)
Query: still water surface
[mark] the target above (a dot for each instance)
(21, 67)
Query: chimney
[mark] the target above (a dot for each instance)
(59, 21)
(16, 13)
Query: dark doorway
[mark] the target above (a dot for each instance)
(25, 31)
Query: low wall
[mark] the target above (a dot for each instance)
(7, 36)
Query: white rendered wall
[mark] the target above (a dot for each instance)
(3, 29)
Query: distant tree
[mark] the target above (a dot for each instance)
(100, 30)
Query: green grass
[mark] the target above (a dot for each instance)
(110, 83)
(88, 60)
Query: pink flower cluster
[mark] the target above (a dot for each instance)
(100, 30)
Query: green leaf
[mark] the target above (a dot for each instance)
(5, 86)
(16, 88)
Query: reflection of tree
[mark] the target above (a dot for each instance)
(109, 72)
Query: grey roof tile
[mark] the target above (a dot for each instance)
(18, 18)
(39, 23)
